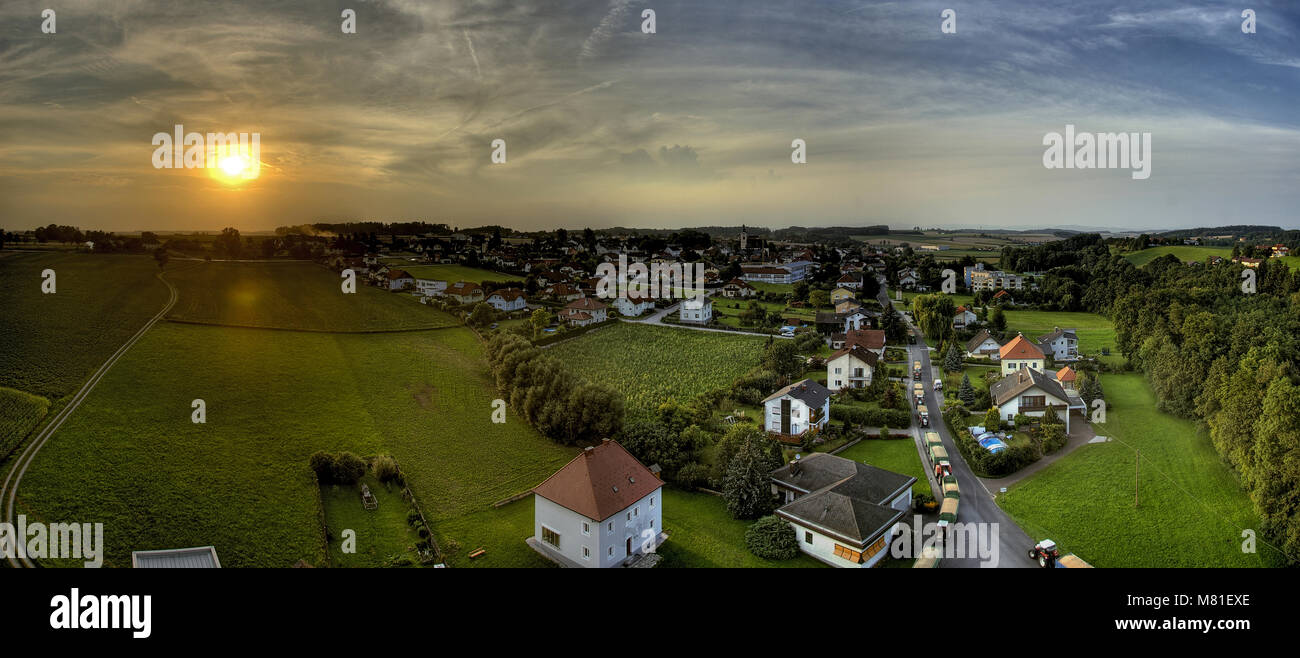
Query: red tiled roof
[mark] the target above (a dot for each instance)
(463, 288)
(1020, 348)
(397, 274)
(1065, 374)
(509, 294)
(599, 482)
(586, 304)
(872, 339)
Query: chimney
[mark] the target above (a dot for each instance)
(589, 450)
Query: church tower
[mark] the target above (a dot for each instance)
(744, 238)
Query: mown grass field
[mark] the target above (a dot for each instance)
(291, 295)
(1182, 252)
(1094, 331)
(1191, 510)
(450, 273)
(702, 534)
(130, 456)
(897, 455)
(653, 364)
(53, 342)
(382, 534)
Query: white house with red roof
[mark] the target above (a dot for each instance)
(508, 299)
(736, 288)
(697, 310)
(465, 292)
(399, 279)
(584, 311)
(601, 509)
(851, 367)
(963, 318)
(1019, 354)
(633, 304)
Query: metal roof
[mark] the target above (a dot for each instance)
(200, 557)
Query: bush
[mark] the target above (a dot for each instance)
(921, 501)
(692, 475)
(772, 539)
(1054, 438)
(385, 468)
(348, 468)
(322, 463)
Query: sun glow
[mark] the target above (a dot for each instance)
(236, 168)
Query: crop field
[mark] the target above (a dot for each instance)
(131, 457)
(1094, 331)
(1182, 252)
(19, 413)
(652, 365)
(451, 273)
(53, 342)
(1190, 512)
(897, 455)
(292, 295)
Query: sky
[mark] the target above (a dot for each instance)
(605, 125)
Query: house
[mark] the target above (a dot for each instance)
(844, 513)
(1020, 354)
(850, 367)
(1280, 251)
(871, 339)
(1252, 263)
(563, 292)
(633, 305)
(399, 279)
(584, 311)
(963, 318)
(1003, 297)
(508, 299)
(736, 288)
(1066, 377)
(697, 310)
(994, 280)
(850, 281)
(847, 306)
(852, 320)
(1062, 344)
(465, 292)
(840, 294)
(776, 272)
(1028, 391)
(202, 557)
(430, 287)
(984, 345)
(600, 510)
(798, 408)
(908, 279)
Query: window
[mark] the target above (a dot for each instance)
(636, 511)
(874, 548)
(610, 529)
(611, 551)
(550, 536)
(807, 537)
(652, 502)
(848, 554)
(586, 528)
(629, 516)
(652, 523)
(586, 553)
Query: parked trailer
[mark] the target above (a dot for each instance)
(932, 439)
(938, 454)
(948, 512)
(950, 490)
(1072, 561)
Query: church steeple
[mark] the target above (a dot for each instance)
(744, 238)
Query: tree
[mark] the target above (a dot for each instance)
(539, 320)
(933, 314)
(481, 315)
(991, 419)
(772, 538)
(1050, 417)
(746, 487)
(348, 468)
(819, 298)
(952, 360)
(228, 244)
(800, 291)
(998, 320)
(160, 255)
(780, 357)
(967, 392)
(652, 443)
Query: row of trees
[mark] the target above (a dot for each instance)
(563, 406)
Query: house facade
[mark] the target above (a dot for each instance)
(851, 367)
(697, 310)
(841, 294)
(584, 311)
(430, 287)
(963, 318)
(632, 305)
(1020, 354)
(1062, 344)
(1031, 392)
(598, 511)
(398, 279)
(984, 345)
(796, 409)
(844, 513)
(737, 289)
(465, 292)
(508, 299)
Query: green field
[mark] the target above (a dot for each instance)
(1292, 262)
(653, 364)
(1094, 331)
(19, 413)
(897, 455)
(382, 534)
(702, 534)
(292, 295)
(1192, 511)
(130, 456)
(1182, 252)
(52, 343)
(450, 273)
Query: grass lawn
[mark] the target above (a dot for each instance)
(131, 458)
(501, 531)
(1292, 262)
(957, 299)
(1094, 331)
(452, 273)
(382, 533)
(292, 295)
(1182, 252)
(702, 534)
(653, 364)
(779, 288)
(1191, 512)
(897, 455)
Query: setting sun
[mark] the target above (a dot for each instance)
(236, 167)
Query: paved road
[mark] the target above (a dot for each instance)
(9, 488)
(977, 504)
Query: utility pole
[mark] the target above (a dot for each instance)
(1137, 468)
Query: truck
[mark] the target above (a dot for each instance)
(948, 512)
(916, 371)
(923, 415)
(918, 392)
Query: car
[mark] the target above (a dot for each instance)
(492, 326)
(787, 334)
(938, 385)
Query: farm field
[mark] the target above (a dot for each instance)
(450, 273)
(1292, 262)
(897, 455)
(702, 534)
(52, 343)
(291, 295)
(652, 365)
(1094, 331)
(240, 481)
(19, 413)
(1191, 511)
(382, 533)
(1182, 252)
